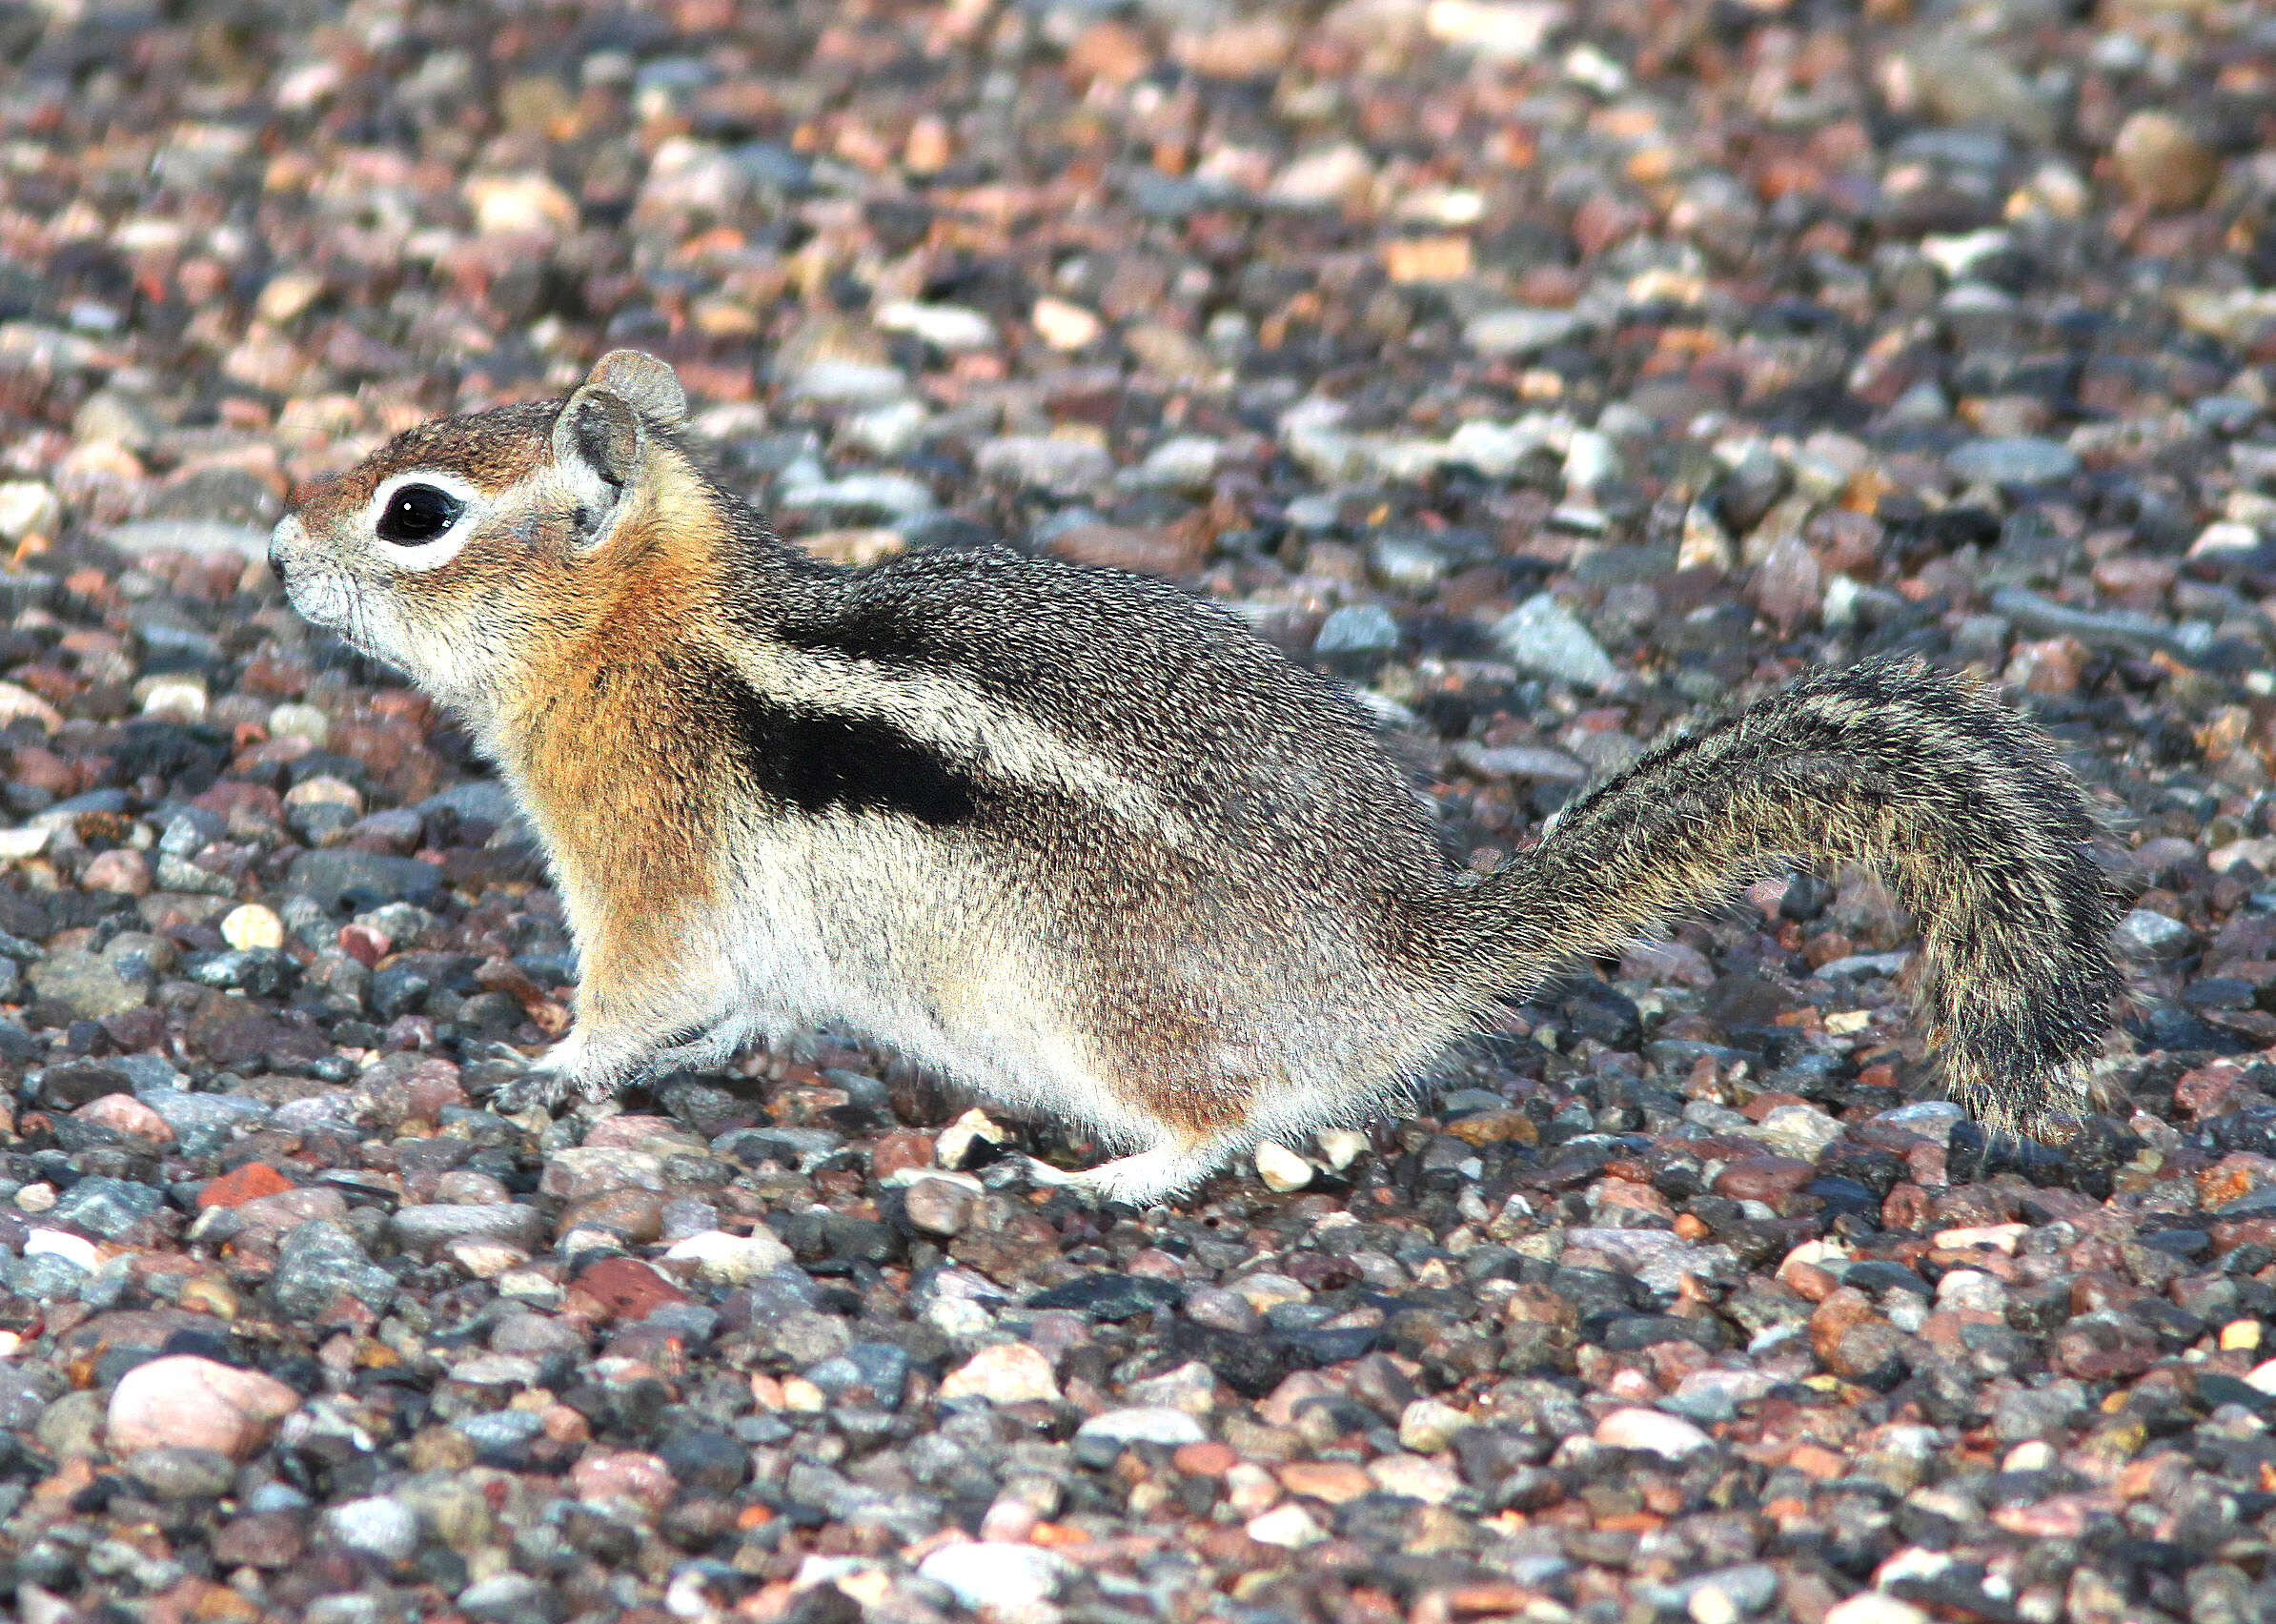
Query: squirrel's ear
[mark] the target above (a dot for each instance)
(599, 433)
(642, 382)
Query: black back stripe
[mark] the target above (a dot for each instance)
(820, 762)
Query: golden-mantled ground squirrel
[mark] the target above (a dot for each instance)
(1081, 841)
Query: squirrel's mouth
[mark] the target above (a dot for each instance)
(323, 600)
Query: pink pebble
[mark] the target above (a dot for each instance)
(124, 1113)
(199, 1404)
(622, 1474)
(127, 873)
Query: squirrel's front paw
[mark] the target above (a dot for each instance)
(569, 1071)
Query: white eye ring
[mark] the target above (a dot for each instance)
(441, 549)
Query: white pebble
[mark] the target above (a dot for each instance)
(2034, 1455)
(384, 1527)
(1010, 1373)
(1281, 1168)
(28, 508)
(1144, 1424)
(956, 1141)
(1288, 1525)
(942, 326)
(1871, 1607)
(1426, 1425)
(250, 925)
(1340, 1146)
(175, 695)
(1652, 1432)
(1064, 326)
(722, 1259)
(59, 1243)
(995, 1576)
(301, 721)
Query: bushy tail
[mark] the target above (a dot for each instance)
(1959, 804)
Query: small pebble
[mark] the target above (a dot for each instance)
(1010, 1373)
(730, 1260)
(1281, 1168)
(994, 1577)
(251, 925)
(1652, 1432)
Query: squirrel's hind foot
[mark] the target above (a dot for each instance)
(1152, 1175)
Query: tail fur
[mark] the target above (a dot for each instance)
(1959, 804)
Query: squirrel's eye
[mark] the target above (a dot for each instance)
(418, 513)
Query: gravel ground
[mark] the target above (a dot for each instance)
(1552, 372)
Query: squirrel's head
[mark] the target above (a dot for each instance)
(448, 550)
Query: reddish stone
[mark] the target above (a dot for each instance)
(248, 1183)
(2094, 1290)
(1928, 1167)
(2212, 1091)
(627, 1288)
(1210, 1459)
(1170, 552)
(636, 1214)
(231, 795)
(261, 1539)
(2102, 1347)
(124, 1113)
(134, 1030)
(896, 1151)
(2231, 1234)
(2233, 1177)
(1842, 1308)
(364, 944)
(1767, 1179)
(1854, 1342)
(1816, 1460)
(44, 769)
(1334, 1481)
(1808, 1281)
(273, 670)
(1907, 1205)
(629, 1131)
(1631, 1197)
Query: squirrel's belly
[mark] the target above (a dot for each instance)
(930, 959)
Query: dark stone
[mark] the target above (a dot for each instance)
(1111, 1296)
(1625, 1333)
(1323, 1347)
(1879, 1274)
(1593, 1009)
(77, 1082)
(870, 1372)
(344, 881)
(109, 1210)
(318, 1261)
(1251, 1366)
(265, 973)
(710, 1462)
(398, 990)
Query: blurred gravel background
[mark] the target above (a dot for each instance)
(1553, 372)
